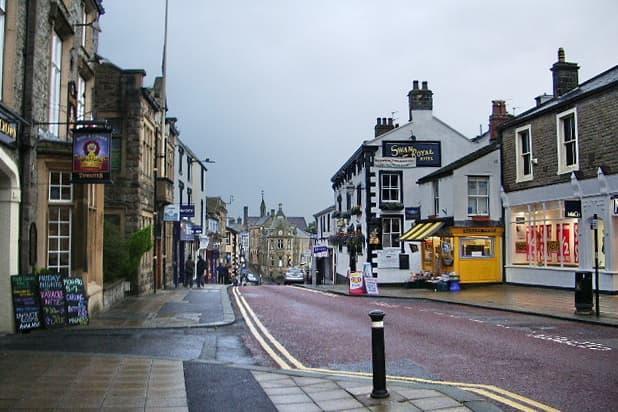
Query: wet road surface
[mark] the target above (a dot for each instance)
(568, 365)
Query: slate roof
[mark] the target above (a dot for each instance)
(321, 212)
(449, 168)
(603, 80)
(299, 222)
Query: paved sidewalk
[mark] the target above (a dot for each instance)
(170, 308)
(60, 381)
(530, 300)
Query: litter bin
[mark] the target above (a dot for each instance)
(583, 293)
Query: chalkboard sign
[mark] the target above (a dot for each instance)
(53, 305)
(77, 302)
(26, 302)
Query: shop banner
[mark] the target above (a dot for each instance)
(576, 242)
(187, 211)
(320, 251)
(356, 284)
(566, 244)
(91, 155)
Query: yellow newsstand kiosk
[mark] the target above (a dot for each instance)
(474, 253)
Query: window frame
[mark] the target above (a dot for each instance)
(390, 187)
(479, 196)
(519, 161)
(561, 149)
(462, 242)
(55, 84)
(2, 41)
(390, 233)
(64, 176)
(435, 189)
(58, 237)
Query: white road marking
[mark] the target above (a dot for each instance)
(563, 340)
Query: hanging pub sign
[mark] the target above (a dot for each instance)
(375, 234)
(573, 208)
(91, 155)
(427, 153)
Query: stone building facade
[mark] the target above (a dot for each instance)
(134, 112)
(560, 171)
(48, 54)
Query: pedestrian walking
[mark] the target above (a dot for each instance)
(220, 274)
(201, 266)
(189, 267)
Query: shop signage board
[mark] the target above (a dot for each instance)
(413, 213)
(573, 209)
(320, 251)
(76, 301)
(356, 284)
(371, 283)
(187, 211)
(424, 153)
(171, 213)
(26, 304)
(388, 258)
(53, 303)
(91, 155)
(8, 130)
(186, 231)
(196, 230)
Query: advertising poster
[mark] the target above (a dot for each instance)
(576, 242)
(91, 155)
(356, 284)
(566, 243)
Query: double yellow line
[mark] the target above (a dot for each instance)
(285, 360)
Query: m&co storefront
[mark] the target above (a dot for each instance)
(474, 253)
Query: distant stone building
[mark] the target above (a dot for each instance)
(134, 112)
(278, 242)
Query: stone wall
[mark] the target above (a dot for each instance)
(597, 123)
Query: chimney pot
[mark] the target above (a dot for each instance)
(384, 121)
(564, 75)
(498, 116)
(415, 85)
(390, 121)
(378, 121)
(419, 99)
(424, 85)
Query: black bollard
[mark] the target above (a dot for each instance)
(377, 348)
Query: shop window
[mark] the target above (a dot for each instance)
(390, 187)
(566, 124)
(391, 230)
(542, 236)
(523, 164)
(477, 247)
(478, 195)
(59, 239)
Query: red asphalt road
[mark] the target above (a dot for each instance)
(528, 355)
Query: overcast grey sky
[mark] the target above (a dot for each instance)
(281, 93)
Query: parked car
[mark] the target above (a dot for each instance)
(294, 275)
(253, 279)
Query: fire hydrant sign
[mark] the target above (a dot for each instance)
(356, 284)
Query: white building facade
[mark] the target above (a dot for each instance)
(375, 191)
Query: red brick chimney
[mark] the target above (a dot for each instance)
(498, 116)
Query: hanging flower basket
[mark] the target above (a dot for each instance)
(345, 215)
(355, 241)
(356, 211)
(391, 206)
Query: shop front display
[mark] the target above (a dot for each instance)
(471, 254)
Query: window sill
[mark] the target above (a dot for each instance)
(565, 170)
(521, 179)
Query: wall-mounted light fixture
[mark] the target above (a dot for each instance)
(94, 24)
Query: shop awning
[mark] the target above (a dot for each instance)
(422, 230)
